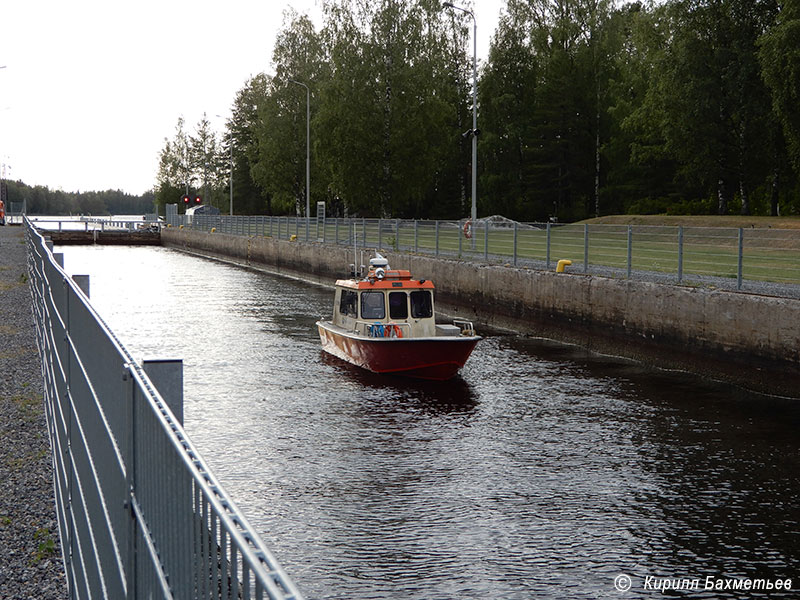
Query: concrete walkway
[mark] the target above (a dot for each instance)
(30, 553)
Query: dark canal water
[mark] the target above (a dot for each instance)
(542, 472)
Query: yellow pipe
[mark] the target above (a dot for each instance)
(561, 264)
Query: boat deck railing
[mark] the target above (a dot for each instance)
(466, 327)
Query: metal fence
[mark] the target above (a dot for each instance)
(140, 514)
(129, 224)
(728, 257)
(15, 211)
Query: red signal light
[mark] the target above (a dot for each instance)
(185, 198)
(198, 200)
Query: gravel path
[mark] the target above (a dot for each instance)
(30, 553)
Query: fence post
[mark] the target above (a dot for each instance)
(363, 232)
(486, 241)
(585, 248)
(70, 417)
(336, 230)
(515, 243)
(130, 479)
(416, 236)
(630, 241)
(460, 234)
(680, 253)
(397, 234)
(547, 251)
(380, 233)
(437, 238)
(739, 270)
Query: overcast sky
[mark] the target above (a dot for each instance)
(91, 88)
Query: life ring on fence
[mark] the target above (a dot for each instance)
(468, 228)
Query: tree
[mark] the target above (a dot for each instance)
(509, 86)
(390, 108)
(249, 198)
(175, 174)
(207, 162)
(779, 56)
(278, 167)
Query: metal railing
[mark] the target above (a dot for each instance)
(147, 223)
(732, 256)
(15, 211)
(140, 514)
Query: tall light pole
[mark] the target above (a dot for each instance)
(308, 152)
(474, 131)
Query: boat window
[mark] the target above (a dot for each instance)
(421, 304)
(348, 305)
(398, 305)
(372, 305)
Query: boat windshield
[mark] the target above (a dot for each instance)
(421, 304)
(372, 305)
(348, 303)
(398, 305)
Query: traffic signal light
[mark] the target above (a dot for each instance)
(186, 198)
(198, 200)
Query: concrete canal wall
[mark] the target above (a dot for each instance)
(747, 339)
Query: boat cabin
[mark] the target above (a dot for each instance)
(386, 303)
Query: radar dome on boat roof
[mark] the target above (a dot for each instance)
(379, 261)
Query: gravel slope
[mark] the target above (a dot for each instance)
(30, 553)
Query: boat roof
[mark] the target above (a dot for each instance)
(392, 279)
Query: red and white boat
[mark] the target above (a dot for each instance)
(385, 323)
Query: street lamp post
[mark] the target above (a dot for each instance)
(474, 131)
(308, 152)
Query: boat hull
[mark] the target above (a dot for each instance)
(435, 358)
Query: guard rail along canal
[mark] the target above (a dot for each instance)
(140, 514)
